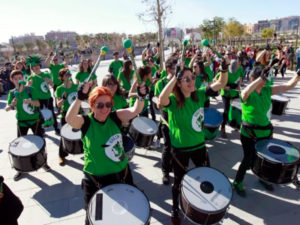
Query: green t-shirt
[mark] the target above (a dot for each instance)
(119, 102)
(233, 78)
(82, 76)
(71, 95)
(257, 111)
(40, 85)
(55, 73)
(200, 78)
(124, 82)
(103, 147)
(163, 74)
(116, 67)
(25, 112)
(186, 123)
(187, 61)
(146, 102)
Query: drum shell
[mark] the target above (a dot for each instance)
(278, 107)
(200, 217)
(235, 117)
(278, 173)
(30, 162)
(210, 132)
(72, 146)
(129, 147)
(141, 140)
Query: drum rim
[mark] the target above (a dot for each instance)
(43, 147)
(265, 159)
(210, 126)
(201, 210)
(148, 135)
(150, 210)
(61, 134)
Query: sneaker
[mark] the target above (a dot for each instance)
(18, 176)
(266, 185)
(46, 167)
(175, 218)
(166, 179)
(239, 188)
(62, 161)
(296, 183)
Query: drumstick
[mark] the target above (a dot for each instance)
(128, 45)
(206, 44)
(103, 52)
(164, 121)
(184, 44)
(99, 207)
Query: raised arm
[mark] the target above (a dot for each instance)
(163, 98)
(277, 89)
(222, 81)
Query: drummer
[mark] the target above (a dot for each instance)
(65, 94)
(41, 82)
(104, 157)
(185, 108)
(84, 72)
(25, 100)
(256, 123)
(166, 154)
(117, 92)
(125, 77)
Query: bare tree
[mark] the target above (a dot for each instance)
(157, 11)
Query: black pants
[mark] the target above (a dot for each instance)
(226, 101)
(62, 153)
(48, 103)
(151, 105)
(199, 158)
(166, 153)
(36, 129)
(89, 186)
(11, 207)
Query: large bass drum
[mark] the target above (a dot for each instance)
(27, 153)
(205, 195)
(119, 204)
(143, 130)
(71, 139)
(276, 161)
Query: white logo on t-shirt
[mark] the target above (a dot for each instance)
(28, 108)
(114, 149)
(72, 97)
(197, 120)
(45, 87)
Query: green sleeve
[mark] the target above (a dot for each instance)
(156, 89)
(119, 75)
(77, 77)
(34, 93)
(94, 77)
(10, 97)
(58, 93)
(173, 102)
(29, 78)
(144, 63)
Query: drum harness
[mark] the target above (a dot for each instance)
(27, 89)
(247, 126)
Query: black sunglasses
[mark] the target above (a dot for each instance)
(101, 105)
(188, 80)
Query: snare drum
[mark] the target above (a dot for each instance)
(119, 204)
(205, 195)
(85, 108)
(279, 103)
(275, 161)
(143, 130)
(27, 153)
(48, 117)
(71, 139)
(212, 121)
(235, 113)
(129, 147)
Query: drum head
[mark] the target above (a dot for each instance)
(46, 113)
(277, 151)
(206, 189)
(85, 105)
(212, 117)
(279, 98)
(236, 103)
(70, 133)
(26, 145)
(119, 204)
(145, 125)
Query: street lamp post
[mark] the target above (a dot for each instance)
(214, 30)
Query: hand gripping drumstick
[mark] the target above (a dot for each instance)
(184, 44)
(128, 45)
(103, 52)
(206, 44)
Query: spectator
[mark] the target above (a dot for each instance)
(4, 75)
(291, 55)
(298, 58)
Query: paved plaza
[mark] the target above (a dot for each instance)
(56, 197)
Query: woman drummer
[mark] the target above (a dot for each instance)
(117, 92)
(185, 117)
(125, 77)
(104, 158)
(256, 124)
(65, 94)
(84, 72)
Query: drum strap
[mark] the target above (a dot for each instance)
(247, 126)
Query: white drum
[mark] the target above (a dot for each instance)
(85, 107)
(48, 117)
(119, 204)
(205, 195)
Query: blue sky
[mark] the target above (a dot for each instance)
(18, 17)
